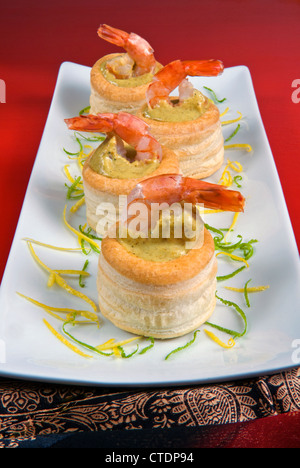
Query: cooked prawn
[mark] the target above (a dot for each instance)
(174, 188)
(173, 74)
(140, 53)
(128, 127)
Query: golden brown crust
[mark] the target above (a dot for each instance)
(169, 165)
(158, 273)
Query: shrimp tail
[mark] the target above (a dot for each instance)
(203, 67)
(138, 49)
(113, 35)
(128, 127)
(219, 198)
(92, 123)
(173, 188)
(213, 196)
(173, 74)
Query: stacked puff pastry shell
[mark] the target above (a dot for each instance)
(158, 299)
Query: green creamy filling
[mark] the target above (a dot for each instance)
(190, 109)
(161, 248)
(155, 250)
(132, 82)
(106, 161)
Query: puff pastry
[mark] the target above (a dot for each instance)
(108, 96)
(158, 299)
(198, 143)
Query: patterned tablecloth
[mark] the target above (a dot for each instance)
(42, 415)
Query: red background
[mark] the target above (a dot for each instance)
(36, 37)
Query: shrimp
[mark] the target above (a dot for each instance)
(127, 127)
(174, 188)
(139, 51)
(173, 74)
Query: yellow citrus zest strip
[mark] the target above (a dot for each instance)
(72, 272)
(77, 205)
(84, 313)
(233, 120)
(235, 217)
(217, 340)
(234, 257)
(53, 314)
(90, 148)
(108, 345)
(211, 211)
(78, 233)
(204, 211)
(226, 178)
(224, 112)
(235, 165)
(253, 289)
(116, 352)
(90, 315)
(33, 241)
(61, 282)
(64, 340)
(107, 342)
(67, 174)
(82, 156)
(63, 319)
(245, 146)
(51, 280)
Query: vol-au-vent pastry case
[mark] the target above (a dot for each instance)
(128, 155)
(119, 80)
(162, 287)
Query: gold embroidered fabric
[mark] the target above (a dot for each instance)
(31, 410)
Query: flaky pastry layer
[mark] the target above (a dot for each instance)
(162, 300)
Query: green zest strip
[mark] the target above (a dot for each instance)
(236, 179)
(144, 350)
(78, 152)
(85, 345)
(214, 95)
(245, 247)
(248, 248)
(88, 233)
(91, 236)
(73, 193)
(233, 133)
(124, 355)
(82, 244)
(86, 110)
(81, 283)
(93, 138)
(246, 293)
(227, 330)
(183, 347)
(231, 275)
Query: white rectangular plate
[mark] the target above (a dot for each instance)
(29, 351)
